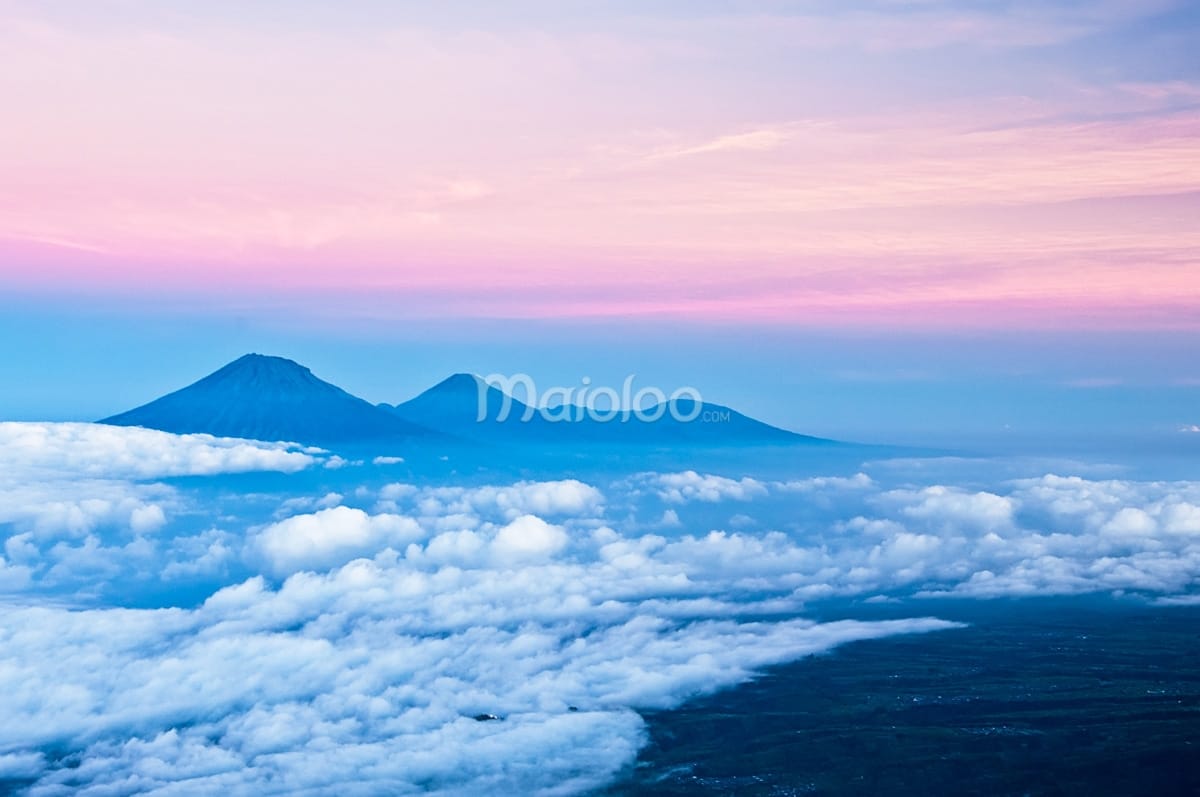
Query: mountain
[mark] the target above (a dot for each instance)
(454, 403)
(270, 398)
(453, 406)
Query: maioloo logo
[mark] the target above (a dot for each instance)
(587, 402)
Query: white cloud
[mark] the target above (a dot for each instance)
(463, 547)
(567, 497)
(20, 547)
(528, 538)
(395, 492)
(859, 481)
(206, 554)
(19, 766)
(13, 577)
(387, 460)
(953, 509)
(147, 519)
(303, 503)
(1130, 521)
(73, 508)
(336, 462)
(564, 497)
(1049, 535)
(386, 631)
(1180, 517)
(691, 486)
(371, 675)
(74, 497)
(331, 537)
(117, 452)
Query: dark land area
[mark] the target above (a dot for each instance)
(1032, 698)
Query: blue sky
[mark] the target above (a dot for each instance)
(871, 385)
(896, 221)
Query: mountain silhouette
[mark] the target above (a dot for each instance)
(270, 398)
(453, 406)
(454, 403)
(273, 398)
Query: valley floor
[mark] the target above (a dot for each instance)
(1044, 698)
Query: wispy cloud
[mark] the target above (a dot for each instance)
(930, 24)
(726, 152)
(760, 140)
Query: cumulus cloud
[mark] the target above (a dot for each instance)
(77, 500)
(691, 486)
(950, 509)
(686, 486)
(1051, 535)
(563, 497)
(13, 577)
(670, 519)
(302, 503)
(209, 553)
(147, 519)
(61, 508)
(118, 452)
(859, 481)
(336, 462)
(528, 538)
(330, 537)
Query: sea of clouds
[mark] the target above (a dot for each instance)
(189, 614)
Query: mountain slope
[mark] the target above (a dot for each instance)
(455, 401)
(269, 398)
(453, 406)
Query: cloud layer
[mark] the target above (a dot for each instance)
(451, 639)
(345, 629)
(112, 452)
(79, 504)
(366, 680)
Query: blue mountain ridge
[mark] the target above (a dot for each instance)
(273, 398)
(270, 398)
(453, 406)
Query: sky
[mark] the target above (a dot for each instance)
(870, 218)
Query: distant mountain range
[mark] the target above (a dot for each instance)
(452, 406)
(273, 398)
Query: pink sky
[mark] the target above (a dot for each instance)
(822, 167)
